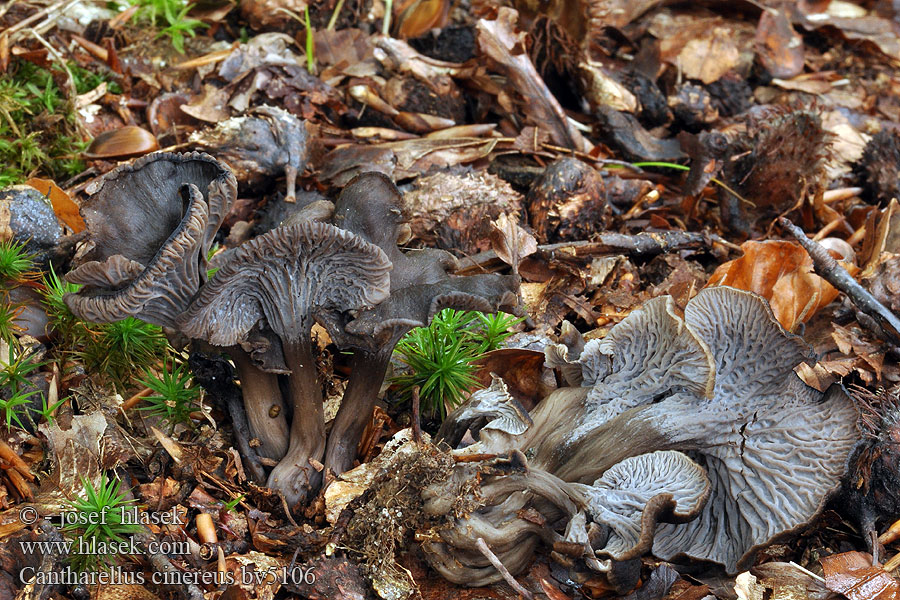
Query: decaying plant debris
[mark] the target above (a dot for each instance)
(219, 220)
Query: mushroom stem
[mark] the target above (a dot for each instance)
(263, 405)
(629, 434)
(299, 472)
(367, 370)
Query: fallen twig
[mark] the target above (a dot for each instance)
(162, 564)
(488, 554)
(828, 268)
(641, 244)
(416, 425)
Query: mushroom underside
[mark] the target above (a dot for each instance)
(716, 389)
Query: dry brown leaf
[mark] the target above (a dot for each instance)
(342, 47)
(870, 29)
(124, 142)
(66, 210)
(510, 241)
(522, 370)
(869, 356)
(853, 575)
(782, 273)
(211, 105)
(417, 156)
(420, 16)
(500, 41)
(702, 41)
(778, 47)
(882, 235)
(710, 57)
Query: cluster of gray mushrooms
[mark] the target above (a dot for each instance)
(681, 435)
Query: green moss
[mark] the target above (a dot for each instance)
(442, 356)
(38, 133)
(170, 16)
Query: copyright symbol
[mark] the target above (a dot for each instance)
(28, 515)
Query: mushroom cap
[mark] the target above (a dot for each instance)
(157, 293)
(491, 408)
(650, 355)
(284, 275)
(151, 224)
(382, 326)
(774, 448)
(370, 206)
(258, 144)
(717, 386)
(641, 491)
(136, 207)
(565, 354)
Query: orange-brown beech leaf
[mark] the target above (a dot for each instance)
(64, 207)
(782, 273)
(853, 575)
(422, 16)
(122, 143)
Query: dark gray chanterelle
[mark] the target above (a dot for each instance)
(150, 227)
(279, 279)
(370, 207)
(718, 386)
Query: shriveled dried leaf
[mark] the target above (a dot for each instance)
(868, 355)
(857, 26)
(420, 155)
(853, 575)
(710, 57)
(882, 235)
(603, 90)
(76, 456)
(778, 47)
(63, 206)
(705, 46)
(788, 582)
(782, 273)
(211, 105)
(510, 241)
(257, 573)
(500, 41)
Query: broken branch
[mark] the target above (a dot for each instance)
(828, 268)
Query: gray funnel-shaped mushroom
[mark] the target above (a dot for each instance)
(150, 227)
